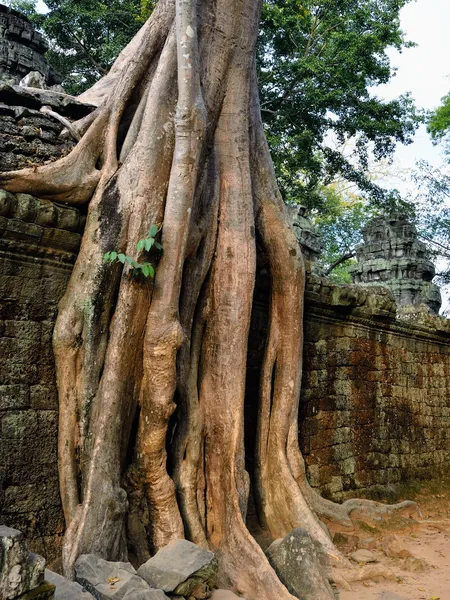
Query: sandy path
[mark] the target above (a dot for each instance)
(429, 544)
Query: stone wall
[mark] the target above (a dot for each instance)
(38, 246)
(376, 392)
(29, 137)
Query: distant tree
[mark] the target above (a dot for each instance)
(438, 125)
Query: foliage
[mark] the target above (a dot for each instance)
(318, 61)
(340, 227)
(86, 35)
(26, 7)
(438, 125)
(146, 244)
(432, 214)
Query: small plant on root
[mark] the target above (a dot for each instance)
(145, 269)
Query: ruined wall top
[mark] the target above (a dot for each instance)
(306, 233)
(22, 49)
(393, 256)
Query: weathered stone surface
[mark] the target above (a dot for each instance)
(183, 568)
(300, 566)
(107, 580)
(393, 547)
(364, 556)
(35, 263)
(65, 589)
(307, 235)
(64, 104)
(393, 256)
(375, 403)
(145, 595)
(21, 49)
(20, 571)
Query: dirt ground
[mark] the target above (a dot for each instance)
(427, 539)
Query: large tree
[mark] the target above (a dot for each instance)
(177, 141)
(319, 62)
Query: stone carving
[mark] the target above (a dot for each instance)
(394, 257)
(22, 49)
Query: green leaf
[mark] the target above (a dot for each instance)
(147, 269)
(129, 260)
(149, 243)
(121, 257)
(106, 257)
(112, 256)
(153, 231)
(140, 245)
(158, 246)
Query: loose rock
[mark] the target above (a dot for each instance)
(65, 589)
(301, 567)
(364, 556)
(182, 568)
(107, 580)
(394, 548)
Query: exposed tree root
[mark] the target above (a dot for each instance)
(177, 141)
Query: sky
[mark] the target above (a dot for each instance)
(424, 70)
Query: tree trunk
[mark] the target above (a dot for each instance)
(177, 141)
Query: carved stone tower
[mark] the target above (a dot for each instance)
(394, 257)
(21, 49)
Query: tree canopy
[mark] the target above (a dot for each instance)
(319, 62)
(439, 123)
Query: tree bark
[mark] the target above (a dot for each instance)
(177, 140)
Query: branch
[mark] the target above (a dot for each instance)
(339, 261)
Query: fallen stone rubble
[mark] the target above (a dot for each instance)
(180, 571)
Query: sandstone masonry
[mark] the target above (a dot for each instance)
(38, 245)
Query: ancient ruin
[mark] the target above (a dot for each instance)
(375, 400)
(22, 49)
(393, 256)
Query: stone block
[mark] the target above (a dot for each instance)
(182, 568)
(146, 595)
(301, 567)
(14, 397)
(65, 589)
(43, 397)
(107, 580)
(19, 424)
(21, 571)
